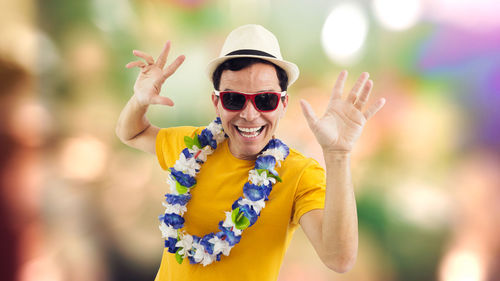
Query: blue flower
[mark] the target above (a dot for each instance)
(170, 244)
(206, 138)
(173, 199)
(209, 247)
(196, 239)
(183, 179)
(173, 220)
(236, 203)
(266, 162)
(186, 153)
(249, 213)
(277, 144)
(254, 192)
(267, 190)
(191, 260)
(228, 235)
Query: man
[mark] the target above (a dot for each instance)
(235, 236)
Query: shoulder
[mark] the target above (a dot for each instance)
(181, 131)
(302, 168)
(299, 161)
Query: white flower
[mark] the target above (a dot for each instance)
(217, 132)
(172, 183)
(228, 222)
(260, 179)
(187, 165)
(186, 242)
(199, 251)
(174, 209)
(201, 153)
(207, 259)
(220, 246)
(167, 231)
(256, 205)
(201, 256)
(276, 153)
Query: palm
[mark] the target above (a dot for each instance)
(148, 85)
(341, 125)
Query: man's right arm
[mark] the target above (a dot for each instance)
(133, 128)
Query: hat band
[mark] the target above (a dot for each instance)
(250, 52)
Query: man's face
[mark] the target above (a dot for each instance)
(240, 126)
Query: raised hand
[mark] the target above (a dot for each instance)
(152, 76)
(341, 125)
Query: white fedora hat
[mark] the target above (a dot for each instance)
(253, 41)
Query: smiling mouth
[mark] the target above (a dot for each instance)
(250, 132)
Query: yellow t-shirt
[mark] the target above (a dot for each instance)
(259, 253)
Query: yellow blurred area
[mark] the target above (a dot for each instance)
(76, 204)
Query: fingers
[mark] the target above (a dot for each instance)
(149, 59)
(138, 63)
(308, 113)
(162, 100)
(365, 93)
(162, 59)
(374, 108)
(353, 95)
(173, 67)
(338, 88)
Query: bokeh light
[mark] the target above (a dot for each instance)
(397, 15)
(344, 33)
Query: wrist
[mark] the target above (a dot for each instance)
(136, 102)
(337, 154)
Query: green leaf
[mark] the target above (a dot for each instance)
(180, 188)
(260, 171)
(234, 214)
(178, 257)
(276, 177)
(196, 141)
(189, 142)
(240, 221)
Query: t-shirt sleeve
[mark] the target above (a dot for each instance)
(170, 143)
(310, 193)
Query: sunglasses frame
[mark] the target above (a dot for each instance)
(251, 97)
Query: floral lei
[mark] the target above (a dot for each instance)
(245, 210)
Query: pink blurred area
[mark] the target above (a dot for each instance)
(76, 204)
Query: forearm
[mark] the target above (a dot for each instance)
(132, 120)
(340, 224)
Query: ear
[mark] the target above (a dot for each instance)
(285, 105)
(215, 102)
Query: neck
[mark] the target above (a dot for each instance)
(240, 155)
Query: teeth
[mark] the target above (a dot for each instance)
(249, 130)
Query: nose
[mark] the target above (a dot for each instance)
(249, 112)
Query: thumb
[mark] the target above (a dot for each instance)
(308, 113)
(162, 100)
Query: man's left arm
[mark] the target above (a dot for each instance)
(333, 231)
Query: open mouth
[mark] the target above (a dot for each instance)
(250, 132)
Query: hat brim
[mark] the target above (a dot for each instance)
(291, 69)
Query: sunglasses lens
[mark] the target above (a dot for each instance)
(233, 101)
(266, 101)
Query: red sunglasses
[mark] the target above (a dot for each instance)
(263, 101)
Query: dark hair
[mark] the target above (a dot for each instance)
(241, 63)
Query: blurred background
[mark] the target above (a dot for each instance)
(76, 204)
